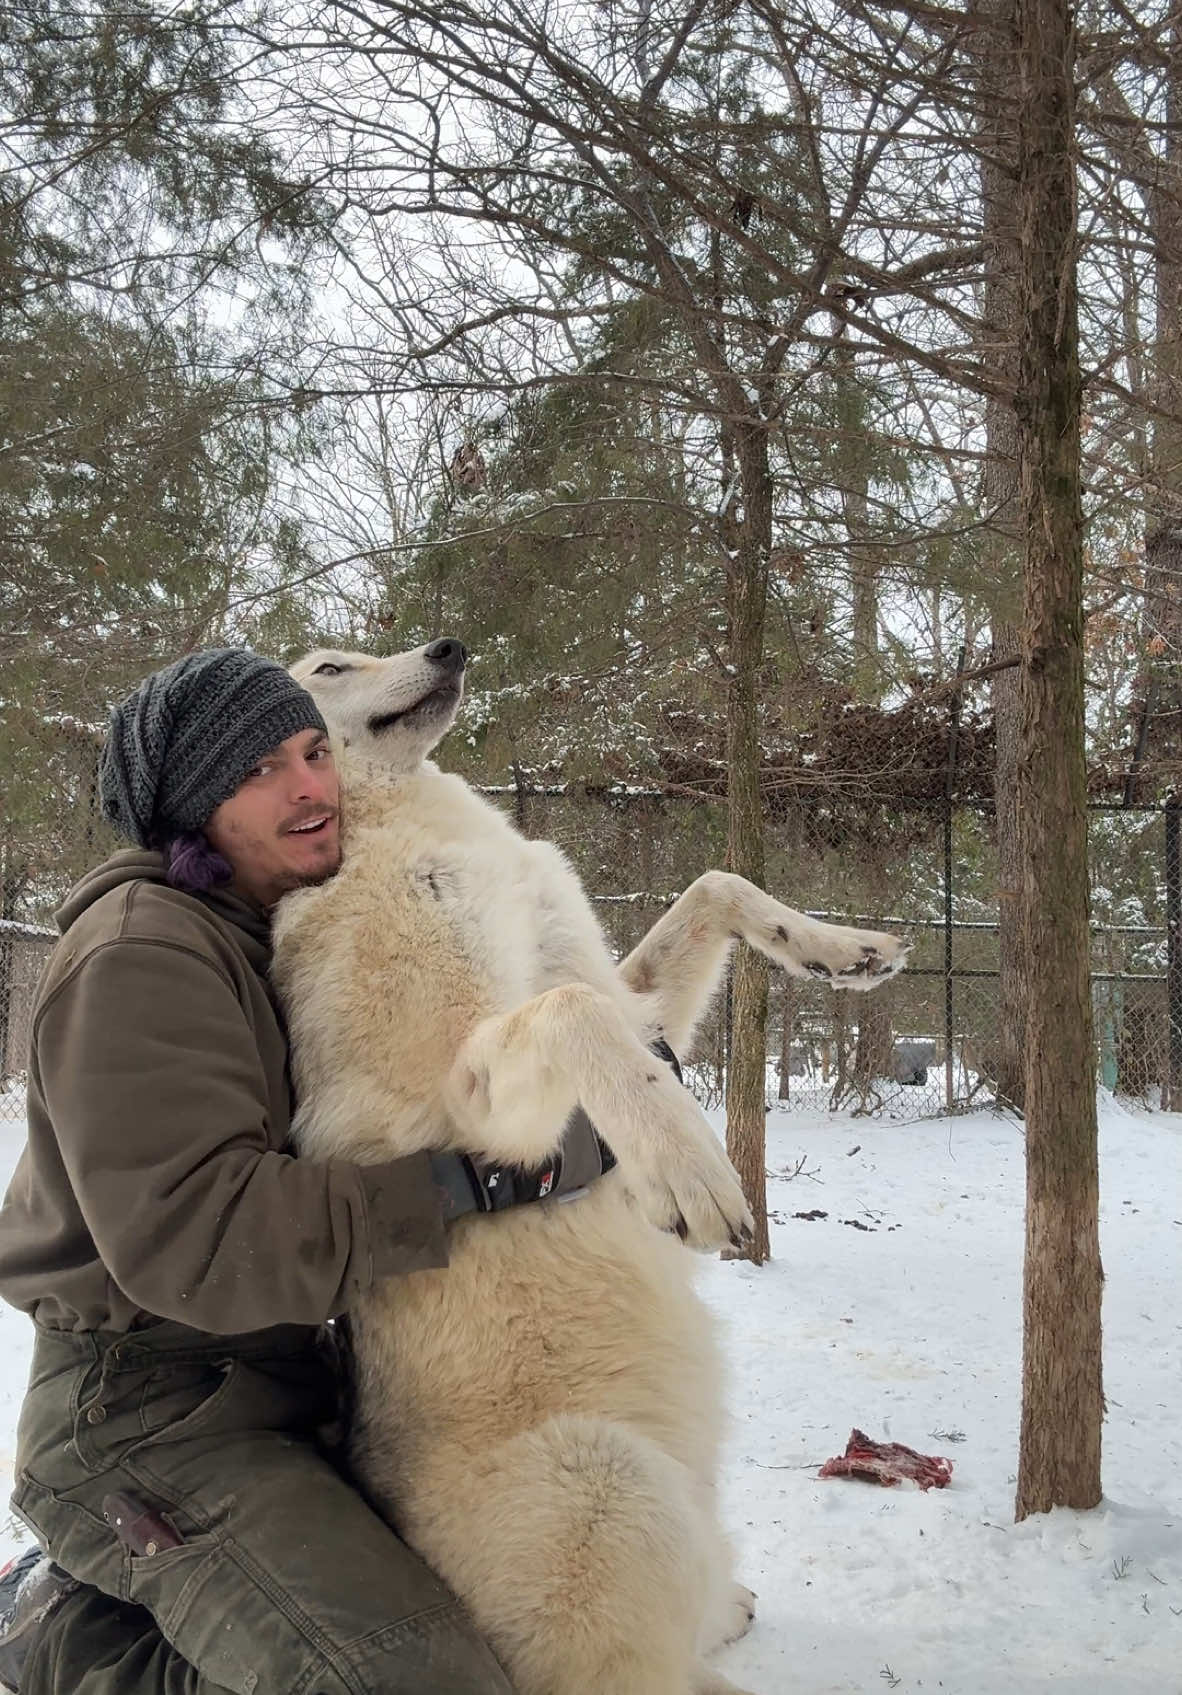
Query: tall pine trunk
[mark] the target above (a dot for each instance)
(1062, 1401)
(747, 579)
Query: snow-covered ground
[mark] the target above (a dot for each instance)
(910, 1329)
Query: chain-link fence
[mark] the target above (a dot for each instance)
(929, 1042)
(24, 948)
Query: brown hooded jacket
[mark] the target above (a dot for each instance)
(156, 1182)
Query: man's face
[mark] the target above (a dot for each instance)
(281, 829)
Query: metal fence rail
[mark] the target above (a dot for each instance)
(943, 1025)
(924, 1044)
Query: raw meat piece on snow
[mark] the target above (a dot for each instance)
(888, 1463)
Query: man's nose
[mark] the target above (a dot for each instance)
(317, 783)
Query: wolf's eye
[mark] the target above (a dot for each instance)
(328, 670)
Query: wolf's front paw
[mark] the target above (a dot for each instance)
(740, 1612)
(685, 1183)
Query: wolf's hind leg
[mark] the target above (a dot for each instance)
(581, 1554)
(678, 965)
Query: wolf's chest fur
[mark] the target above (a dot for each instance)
(455, 879)
(441, 916)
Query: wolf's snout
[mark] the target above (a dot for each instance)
(447, 653)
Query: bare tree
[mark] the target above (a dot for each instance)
(709, 174)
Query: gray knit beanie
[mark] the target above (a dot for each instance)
(184, 740)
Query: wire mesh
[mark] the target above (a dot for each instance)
(929, 1042)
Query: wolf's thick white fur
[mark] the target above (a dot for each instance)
(541, 1420)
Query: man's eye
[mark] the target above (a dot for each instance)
(328, 670)
(320, 753)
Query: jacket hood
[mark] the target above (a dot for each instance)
(139, 865)
(126, 867)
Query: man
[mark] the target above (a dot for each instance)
(180, 1265)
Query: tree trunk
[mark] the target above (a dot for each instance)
(1062, 1402)
(722, 1037)
(747, 576)
(872, 1050)
(787, 1020)
(854, 459)
(1011, 933)
(7, 973)
(999, 169)
(1162, 628)
(1162, 622)
(841, 1049)
(15, 878)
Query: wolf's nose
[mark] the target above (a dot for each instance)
(451, 654)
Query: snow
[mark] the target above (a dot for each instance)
(913, 1328)
(910, 1329)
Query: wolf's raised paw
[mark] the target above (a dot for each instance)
(871, 964)
(856, 961)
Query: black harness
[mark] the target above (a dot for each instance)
(471, 1185)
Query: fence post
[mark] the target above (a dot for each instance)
(1173, 1090)
(949, 777)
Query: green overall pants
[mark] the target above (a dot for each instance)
(282, 1580)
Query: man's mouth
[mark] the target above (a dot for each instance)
(311, 826)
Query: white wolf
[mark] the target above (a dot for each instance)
(540, 1420)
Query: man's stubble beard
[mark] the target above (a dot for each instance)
(292, 880)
